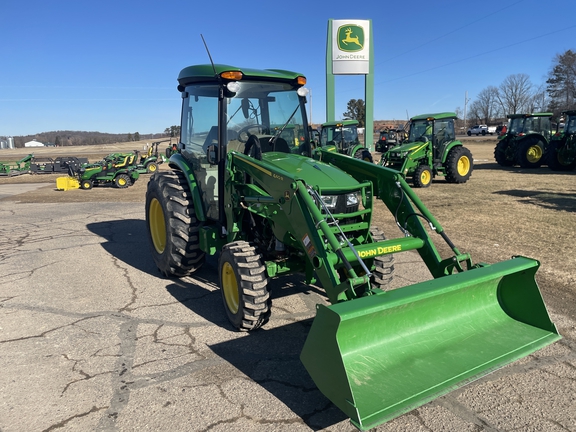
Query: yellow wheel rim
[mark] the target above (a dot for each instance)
(86, 185)
(425, 177)
(157, 226)
(152, 168)
(463, 165)
(534, 154)
(122, 181)
(230, 288)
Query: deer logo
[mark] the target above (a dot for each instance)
(350, 38)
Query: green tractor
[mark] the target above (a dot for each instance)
(562, 147)
(525, 142)
(149, 161)
(430, 150)
(114, 171)
(270, 207)
(342, 136)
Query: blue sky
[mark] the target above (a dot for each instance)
(111, 66)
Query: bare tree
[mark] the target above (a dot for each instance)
(515, 94)
(485, 107)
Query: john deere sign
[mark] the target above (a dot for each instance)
(350, 47)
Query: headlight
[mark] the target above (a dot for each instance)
(351, 199)
(330, 201)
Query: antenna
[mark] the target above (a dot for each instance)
(209, 55)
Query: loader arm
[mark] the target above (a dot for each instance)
(409, 211)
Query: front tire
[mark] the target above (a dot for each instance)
(172, 226)
(364, 155)
(459, 165)
(530, 153)
(383, 272)
(244, 286)
(86, 184)
(422, 177)
(151, 168)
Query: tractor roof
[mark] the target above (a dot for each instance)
(542, 114)
(438, 116)
(208, 73)
(346, 122)
(569, 112)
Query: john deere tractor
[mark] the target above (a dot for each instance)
(562, 147)
(270, 207)
(525, 142)
(430, 150)
(112, 170)
(342, 136)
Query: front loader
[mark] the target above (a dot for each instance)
(270, 207)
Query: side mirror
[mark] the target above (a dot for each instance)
(212, 154)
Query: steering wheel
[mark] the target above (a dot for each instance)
(245, 130)
(253, 148)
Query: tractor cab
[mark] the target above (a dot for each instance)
(261, 116)
(342, 135)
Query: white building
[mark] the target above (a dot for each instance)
(33, 143)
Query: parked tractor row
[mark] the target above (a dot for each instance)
(270, 205)
(118, 169)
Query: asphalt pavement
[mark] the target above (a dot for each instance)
(92, 338)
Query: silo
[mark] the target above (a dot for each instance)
(10, 142)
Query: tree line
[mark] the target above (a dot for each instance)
(518, 94)
(81, 138)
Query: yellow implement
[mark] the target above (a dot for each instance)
(67, 183)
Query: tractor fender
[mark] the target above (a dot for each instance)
(533, 135)
(177, 162)
(449, 147)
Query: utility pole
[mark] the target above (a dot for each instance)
(466, 100)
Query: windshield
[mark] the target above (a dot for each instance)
(420, 129)
(271, 112)
(516, 126)
(340, 136)
(570, 126)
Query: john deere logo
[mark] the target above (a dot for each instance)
(350, 38)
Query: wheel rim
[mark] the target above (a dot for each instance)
(152, 168)
(534, 154)
(463, 165)
(157, 226)
(122, 181)
(230, 288)
(86, 185)
(425, 177)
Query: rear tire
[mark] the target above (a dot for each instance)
(122, 181)
(560, 158)
(383, 272)
(244, 286)
(503, 153)
(172, 226)
(530, 153)
(422, 177)
(459, 165)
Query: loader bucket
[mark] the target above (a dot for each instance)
(380, 356)
(67, 183)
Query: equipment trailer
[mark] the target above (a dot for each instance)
(269, 208)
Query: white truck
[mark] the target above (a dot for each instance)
(481, 130)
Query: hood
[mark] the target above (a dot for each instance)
(313, 172)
